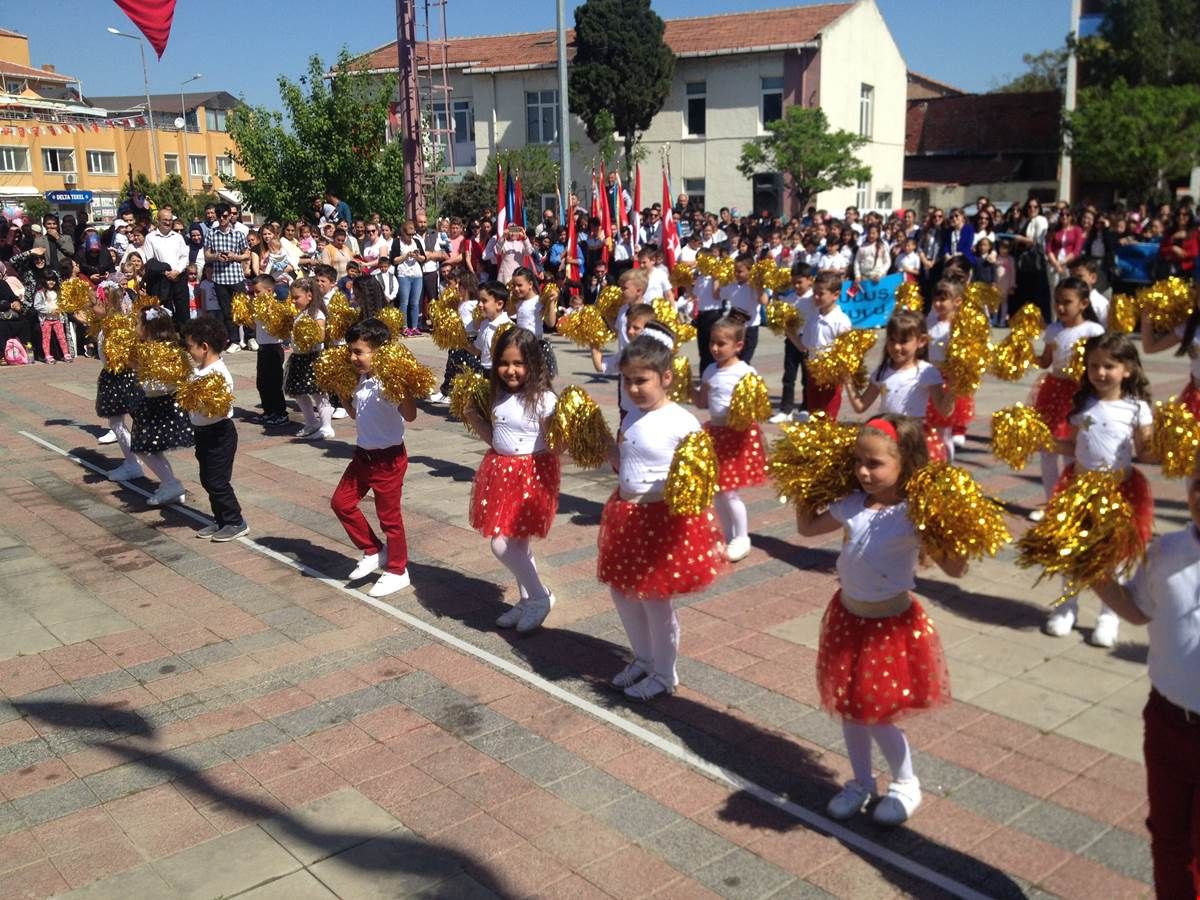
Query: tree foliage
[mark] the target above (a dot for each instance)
(622, 66)
(469, 197)
(1045, 71)
(172, 192)
(1146, 42)
(331, 136)
(802, 146)
(1137, 138)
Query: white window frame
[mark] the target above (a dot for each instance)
(770, 87)
(219, 119)
(695, 90)
(695, 192)
(58, 168)
(225, 169)
(171, 164)
(10, 159)
(862, 195)
(197, 172)
(463, 117)
(883, 199)
(95, 158)
(537, 100)
(866, 110)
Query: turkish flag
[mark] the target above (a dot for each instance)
(153, 18)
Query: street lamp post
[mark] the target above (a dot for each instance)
(146, 84)
(187, 162)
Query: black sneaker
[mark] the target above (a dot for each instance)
(208, 531)
(231, 532)
(275, 421)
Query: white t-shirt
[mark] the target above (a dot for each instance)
(906, 392)
(743, 298)
(909, 263)
(939, 340)
(1167, 589)
(619, 326)
(529, 315)
(411, 268)
(1099, 304)
(702, 290)
(1193, 351)
(466, 312)
(878, 559)
(514, 431)
(610, 363)
(820, 329)
(687, 254)
(647, 444)
(721, 383)
(198, 419)
(658, 283)
(1065, 339)
(1104, 433)
(483, 341)
(379, 422)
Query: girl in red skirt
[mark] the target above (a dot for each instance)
(1055, 392)
(906, 383)
(647, 554)
(515, 495)
(879, 656)
(1109, 422)
(741, 454)
(1187, 338)
(947, 301)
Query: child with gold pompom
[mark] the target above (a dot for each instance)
(299, 379)
(159, 423)
(947, 301)
(874, 624)
(116, 392)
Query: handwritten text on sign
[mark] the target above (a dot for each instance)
(872, 304)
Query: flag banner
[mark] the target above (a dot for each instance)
(153, 18)
(870, 305)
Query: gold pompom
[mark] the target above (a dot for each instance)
(340, 315)
(240, 309)
(1077, 367)
(586, 327)
(722, 269)
(762, 274)
(1019, 431)
(750, 403)
(334, 373)
(681, 379)
(608, 304)
(75, 296)
(471, 389)
(1027, 321)
(1176, 439)
(667, 314)
(578, 427)
(307, 332)
(401, 375)
(1168, 303)
(447, 328)
(448, 298)
(166, 363)
(908, 296)
(693, 476)
(208, 395)
(1087, 535)
(120, 341)
(704, 265)
(783, 317)
(275, 316)
(968, 351)
(1123, 316)
(952, 515)
(1012, 357)
(394, 320)
(841, 359)
(682, 277)
(145, 301)
(549, 296)
(812, 464)
(983, 295)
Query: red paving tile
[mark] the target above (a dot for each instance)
(481, 837)
(599, 745)
(32, 882)
(456, 763)
(579, 842)
(366, 763)
(19, 849)
(84, 827)
(298, 788)
(336, 741)
(1082, 879)
(39, 777)
(436, 812)
(493, 786)
(642, 767)
(1034, 776)
(95, 861)
(389, 722)
(630, 872)
(533, 813)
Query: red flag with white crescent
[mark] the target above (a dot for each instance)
(670, 234)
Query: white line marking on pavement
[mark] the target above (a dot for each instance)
(815, 820)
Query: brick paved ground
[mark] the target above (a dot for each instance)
(186, 719)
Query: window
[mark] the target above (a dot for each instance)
(198, 165)
(14, 159)
(866, 110)
(214, 120)
(171, 163)
(883, 199)
(101, 162)
(694, 188)
(548, 202)
(464, 122)
(697, 107)
(14, 87)
(862, 196)
(772, 100)
(56, 159)
(225, 166)
(541, 117)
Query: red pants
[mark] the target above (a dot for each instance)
(381, 471)
(1172, 751)
(55, 327)
(823, 399)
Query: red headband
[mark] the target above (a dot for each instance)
(886, 427)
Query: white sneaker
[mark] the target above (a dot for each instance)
(252, 344)
(1061, 621)
(167, 494)
(365, 567)
(309, 430)
(631, 674)
(780, 417)
(902, 800)
(437, 397)
(512, 615)
(535, 613)
(1037, 515)
(648, 688)
(126, 471)
(389, 583)
(849, 801)
(109, 437)
(1105, 632)
(738, 548)
(233, 348)
(959, 440)
(323, 434)
(340, 413)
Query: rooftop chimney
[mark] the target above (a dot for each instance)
(49, 68)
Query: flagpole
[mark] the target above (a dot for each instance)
(564, 112)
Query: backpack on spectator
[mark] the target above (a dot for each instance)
(14, 353)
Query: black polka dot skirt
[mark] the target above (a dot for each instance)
(116, 394)
(299, 378)
(159, 424)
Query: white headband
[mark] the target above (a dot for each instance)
(153, 312)
(656, 335)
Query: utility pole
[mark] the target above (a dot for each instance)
(410, 108)
(564, 112)
(1064, 160)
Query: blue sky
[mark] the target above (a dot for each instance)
(242, 48)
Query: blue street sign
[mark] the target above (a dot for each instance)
(69, 196)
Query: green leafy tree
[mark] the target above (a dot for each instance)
(1137, 138)
(331, 136)
(622, 66)
(1045, 71)
(801, 146)
(36, 209)
(172, 192)
(1154, 42)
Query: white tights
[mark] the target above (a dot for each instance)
(892, 744)
(732, 513)
(517, 556)
(1050, 472)
(314, 407)
(947, 435)
(118, 427)
(159, 465)
(653, 631)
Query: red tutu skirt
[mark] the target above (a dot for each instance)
(878, 670)
(935, 445)
(1191, 397)
(1136, 491)
(1052, 398)
(515, 496)
(742, 456)
(648, 554)
(960, 417)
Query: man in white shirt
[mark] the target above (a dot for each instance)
(165, 247)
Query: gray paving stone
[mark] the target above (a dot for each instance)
(776, 710)
(382, 869)
(198, 756)
(159, 668)
(261, 640)
(460, 887)
(1059, 826)
(142, 882)
(993, 800)
(937, 775)
(210, 654)
(367, 700)
(687, 846)
(711, 681)
(327, 826)
(125, 779)
(250, 740)
(106, 683)
(55, 802)
(590, 789)
(227, 865)
(508, 742)
(1123, 852)
(803, 890)
(303, 722)
(410, 686)
(822, 730)
(26, 753)
(547, 764)
(742, 874)
(10, 819)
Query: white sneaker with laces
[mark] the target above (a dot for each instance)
(902, 800)
(365, 567)
(322, 434)
(126, 471)
(109, 437)
(233, 348)
(340, 413)
(512, 615)
(389, 583)
(437, 397)
(1105, 632)
(1061, 621)
(171, 492)
(780, 417)
(738, 548)
(252, 344)
(309, 430)
(648, 688)
(535, 612)
(849, 801)
(631, 674)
